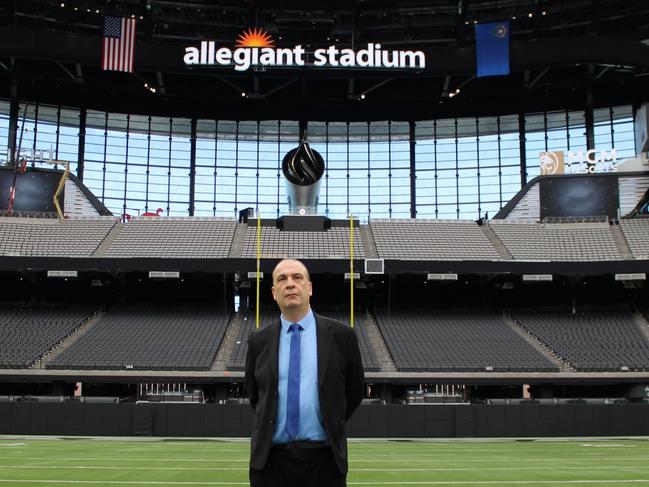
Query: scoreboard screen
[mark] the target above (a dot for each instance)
(34, 190)
(585, 196)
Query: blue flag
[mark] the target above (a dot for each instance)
(492, 48)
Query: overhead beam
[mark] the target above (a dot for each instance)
(461, 19)
(161, 82)
(377, 85)
(466, 82)
(604, 70)
(230, 84)
(278, 88)
(539, 76)
(447, 82)
(66, 71)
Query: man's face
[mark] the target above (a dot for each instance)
(291, 287)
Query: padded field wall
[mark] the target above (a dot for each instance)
(392, 421)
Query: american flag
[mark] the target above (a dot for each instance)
(119, 44)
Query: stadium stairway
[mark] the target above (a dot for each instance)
(69, 341)
(621, 243)
(108, 240)
(381, 351)
(368, 242)
(537, 344)
(496, 242)
(238, 240)
(227, 345)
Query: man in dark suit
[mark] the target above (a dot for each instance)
(305, 379)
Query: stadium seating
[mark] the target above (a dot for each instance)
(26, 334)
(557, 241)
(155, 337)
(636, 231)
(431, 240)
(456, 340)
(332, 244)
(237, 360)
(370, 360)
(589, 340)
(48, 237)
(174, 237)
(205, 237)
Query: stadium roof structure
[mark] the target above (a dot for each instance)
(562, 51)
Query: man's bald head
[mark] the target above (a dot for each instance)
(292, 289)
(281, 263)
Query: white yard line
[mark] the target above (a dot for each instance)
(441, 482)
(353, 459)
(355, 469)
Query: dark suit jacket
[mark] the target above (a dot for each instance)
(340, 385)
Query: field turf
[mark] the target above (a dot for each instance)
(118, 462)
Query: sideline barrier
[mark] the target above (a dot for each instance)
(370, 421)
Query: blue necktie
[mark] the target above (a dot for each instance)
(293, 406)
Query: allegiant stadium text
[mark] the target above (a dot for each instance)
(244, 58)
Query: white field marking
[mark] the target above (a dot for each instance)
(13, 444)
(353, 459)
(244, 454)
(217, 456)
(396, 469)
(501, 482)
(119, 482)
(612, 445)
(421, 448)
(440, 482)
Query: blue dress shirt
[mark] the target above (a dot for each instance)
(311, 428)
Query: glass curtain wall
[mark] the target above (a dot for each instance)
(45, 128)
(4, 130)
(464, 167)
(137, 164)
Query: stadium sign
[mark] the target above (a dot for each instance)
(578, 162)
(255, 48)
(32, 155)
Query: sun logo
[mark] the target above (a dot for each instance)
(255, 37)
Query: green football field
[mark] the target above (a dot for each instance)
(119, 462)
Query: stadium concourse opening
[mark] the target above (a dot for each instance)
(466, 182)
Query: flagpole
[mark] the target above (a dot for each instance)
(258, 267)
(351, 269)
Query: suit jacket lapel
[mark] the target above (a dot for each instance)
(273, 349)
(323, 332)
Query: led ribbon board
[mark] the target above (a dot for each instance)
(255, 48)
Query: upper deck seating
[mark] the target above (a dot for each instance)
(431, 240)
(636, 231)
(557, 241)
(49, 237)
(331, 244)
(174, 237)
